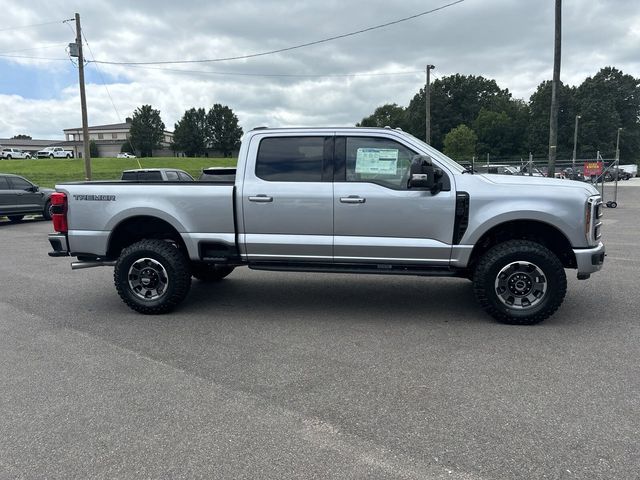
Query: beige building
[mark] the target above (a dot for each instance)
(109, 139)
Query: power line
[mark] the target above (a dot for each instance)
(36, 58)
(280, 50)
(42, 47)
(32, 25)
(104, 83)
(284, 75)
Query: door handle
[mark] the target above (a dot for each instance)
(261, 198)
(352, 199)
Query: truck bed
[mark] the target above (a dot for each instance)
(200, 212)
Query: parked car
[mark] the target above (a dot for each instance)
(532, 171)
(611, 174)
(632, 169)
(19, 197)
(126, 155)
(54, 152)
(574, 175)
(9, 153)
(499, 169)
(156, 175)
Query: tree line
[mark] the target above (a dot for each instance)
(197, 132)
(472, 115)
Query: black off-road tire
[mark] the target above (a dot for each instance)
(15, 218)
(500, 257)
(175, 265)
(210, 273)
(46, 213)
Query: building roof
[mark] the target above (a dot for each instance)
(111, 126)
(19, 142)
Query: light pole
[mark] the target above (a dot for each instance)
(618, 147)
(427, 105)
(575, 144)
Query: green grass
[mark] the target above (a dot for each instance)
(48, 172)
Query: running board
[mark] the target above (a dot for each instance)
(362, 269)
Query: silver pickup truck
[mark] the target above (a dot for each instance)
(352, 200)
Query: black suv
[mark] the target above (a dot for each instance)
(19, 197)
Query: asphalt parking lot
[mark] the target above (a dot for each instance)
(287, 375)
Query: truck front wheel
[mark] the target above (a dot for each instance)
(152, 276)
(519, 282)
(210, 273)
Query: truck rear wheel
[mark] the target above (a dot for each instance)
(152, 276)
(210, 273)
(519, 282)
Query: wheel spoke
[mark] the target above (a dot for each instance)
(520, 285)
(148, 279)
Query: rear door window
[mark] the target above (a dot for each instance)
(4, 184)
(291, 159)
(172, 176)
(150, 176)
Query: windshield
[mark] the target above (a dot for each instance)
(441, 157)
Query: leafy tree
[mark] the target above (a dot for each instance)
(190, 135)
(126, 147)
(607, 101)
(21, 137)
(223, 130)
(147, 130)
(390, 114)
(501, 133)
(455, 100)
(93, 149)
(460, 143)
(539, 113)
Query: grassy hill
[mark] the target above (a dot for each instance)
(48, 172)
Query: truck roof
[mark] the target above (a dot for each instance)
(387, 128)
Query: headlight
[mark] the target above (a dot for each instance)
(593, 213)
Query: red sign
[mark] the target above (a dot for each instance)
(592, 168)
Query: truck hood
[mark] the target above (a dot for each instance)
(531, 183)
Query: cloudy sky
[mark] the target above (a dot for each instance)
(508, 40)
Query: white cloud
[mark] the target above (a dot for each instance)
(509, 40)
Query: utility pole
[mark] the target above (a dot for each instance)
(618, 147)
(575, 147)
(553, 123)
(427, 105)
(83, 102)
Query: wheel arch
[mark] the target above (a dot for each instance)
(533, 230)
(140, 227)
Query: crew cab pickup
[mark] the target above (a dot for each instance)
(54, 152)
(351, 200)
(10, 153)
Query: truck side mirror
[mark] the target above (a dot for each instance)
(423, 175)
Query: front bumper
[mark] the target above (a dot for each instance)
(59, 244)
(589, 260)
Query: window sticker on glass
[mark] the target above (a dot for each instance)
(377, 160)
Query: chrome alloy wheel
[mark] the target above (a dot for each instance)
(521, 285)
(148, 279)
